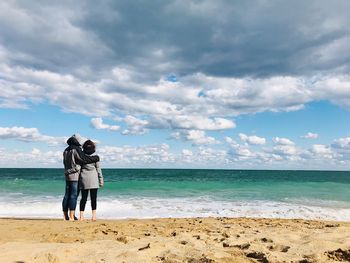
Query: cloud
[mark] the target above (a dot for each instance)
(322, 150)
(310, 135)
(241, 152)
(189, 121)
(286, 149)
(30, 135)
(334, 156)
(34, 158)
(172, 106)
(341, 147)
(189, 36)
(254, 140)
(197, 137)
(223, 66)
(142, 155)
(97, 123)
(239, 42)
(282, 141)
(342, 143)
(185, 69)
(135, 125)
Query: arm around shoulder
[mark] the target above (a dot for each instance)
(84, 158)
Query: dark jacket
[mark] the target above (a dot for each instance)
(74, 158)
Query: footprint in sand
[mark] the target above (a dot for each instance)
(280, 248)
(122, 239)
(47, 257)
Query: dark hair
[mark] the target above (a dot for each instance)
(89, 147)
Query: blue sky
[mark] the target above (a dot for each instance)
(171, 84)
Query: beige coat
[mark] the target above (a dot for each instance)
(90, 176)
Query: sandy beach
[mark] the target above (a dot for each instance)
(174, 240)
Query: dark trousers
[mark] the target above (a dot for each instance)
(93, 197)
(70, 196)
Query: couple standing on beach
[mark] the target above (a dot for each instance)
(82, 172)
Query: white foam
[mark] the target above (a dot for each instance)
(118, 208)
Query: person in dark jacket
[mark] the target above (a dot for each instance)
(73, 159)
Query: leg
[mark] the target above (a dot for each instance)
(73, 196)
(93, 196)
(84, 194)
(65, 202)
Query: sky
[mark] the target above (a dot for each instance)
(178, 83)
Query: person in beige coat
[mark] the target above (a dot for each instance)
(89, 181)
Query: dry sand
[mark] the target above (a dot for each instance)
(196, 240)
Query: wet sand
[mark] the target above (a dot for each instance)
(195, 240)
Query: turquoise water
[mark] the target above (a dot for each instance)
(166, 193)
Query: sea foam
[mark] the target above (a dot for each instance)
(140, 207)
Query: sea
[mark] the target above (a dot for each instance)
(164, 193)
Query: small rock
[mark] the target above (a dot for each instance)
(339, 254)
(225, 235)
(243, 246)
(285, 249)
(259, 256)
(225, 245)
(183, 242)
(265, 240)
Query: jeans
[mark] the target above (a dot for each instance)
(70, 196)
(93, 196)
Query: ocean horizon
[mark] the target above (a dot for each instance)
(159, 193)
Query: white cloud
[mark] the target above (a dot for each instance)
(97, 123)
(186, 152)
(291, 151)
(36, 152)
(142, 155)
(161, 155)
(197, 101)
(341, 148)
(197, 137)
(310, 135)
(105, 66)
(187, 156)
(282, 141)
(200, 123)
(240, 151)
(342, 143)
(34, 158)
(30, 135)
(254, 140)
(322, 150)
(135, 125)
